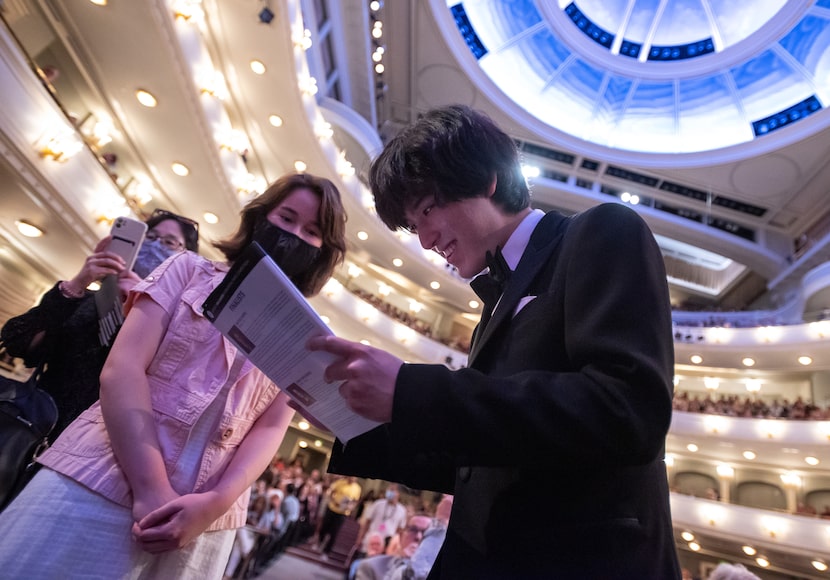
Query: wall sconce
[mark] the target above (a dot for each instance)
(60, 145)
(753, 385)
(791, 480)
(308, 86)
(98, 132)
(301, 37)
(344, 166)
(725, 471)
(332, 287)
(711, 383)
(213, 83)
(323, 130)
(233, 140)
(384, 290)
(250, 184)
(415, 307)
(188, 11)
(139, 191)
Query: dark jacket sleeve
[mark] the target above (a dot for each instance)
(19, 333)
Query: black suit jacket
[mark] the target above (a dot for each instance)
(552, 441)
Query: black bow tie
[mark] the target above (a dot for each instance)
(490, 286)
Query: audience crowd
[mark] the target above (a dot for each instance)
(289, 507)
(735, 406)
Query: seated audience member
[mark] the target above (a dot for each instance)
(424, 557)
(374, 547)
(394, 565)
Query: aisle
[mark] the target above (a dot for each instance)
(290, 567)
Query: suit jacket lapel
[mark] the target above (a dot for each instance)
(544, 240)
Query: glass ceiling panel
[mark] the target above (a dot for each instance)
(641, 19)
(768, 84)
(709, 112)
(683, 21)
(736, 20)
(687, 105)
(497, 23)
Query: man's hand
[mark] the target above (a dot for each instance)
(369, 374)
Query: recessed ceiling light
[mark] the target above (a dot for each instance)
(748, 361)
(210, 217)
(696, 359)
(99, 2)
(180, 169)
(687, 536)
(805, 360)
(379, 68)
(300, 166)
(819, 565)
(473, 304)
(275, 120)
(397, 262)
(361, 235)
(762, 562)
(749, 550)
(692, 447)
(366, 342)
(435, 285)
(28, 229)
(325, 319)
(694, 546)
(146, 98)
(810, 460)
(304, 425)
(749, 455)
(318, 443)
(303, 444)
(258, 67)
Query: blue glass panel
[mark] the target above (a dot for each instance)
(788, 116)
(808, 41)
(823, 3)
(682, 22)
(649, 120)
(641, 19)
(467, 32)
(681, 51)
(588, 27)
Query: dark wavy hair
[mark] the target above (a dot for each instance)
(453, 153)
(332, 225)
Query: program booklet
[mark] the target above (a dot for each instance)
(263, 314)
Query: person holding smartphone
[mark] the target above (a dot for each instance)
(157, 474)
(62, 331)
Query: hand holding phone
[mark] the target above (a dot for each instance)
(127, 235)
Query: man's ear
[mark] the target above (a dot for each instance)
(491, 190)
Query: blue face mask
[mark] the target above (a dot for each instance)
(150, 255)
(390, 495)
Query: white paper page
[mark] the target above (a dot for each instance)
(268, 319)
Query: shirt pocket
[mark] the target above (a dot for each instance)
(86, 437)
(187, 333)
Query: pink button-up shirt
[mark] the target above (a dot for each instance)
(192, 364)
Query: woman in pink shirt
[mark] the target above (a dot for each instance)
(152, 480)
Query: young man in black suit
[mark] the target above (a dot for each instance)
(552, 440)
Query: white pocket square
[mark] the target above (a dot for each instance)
(522, 303)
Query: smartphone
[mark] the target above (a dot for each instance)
(127, 235)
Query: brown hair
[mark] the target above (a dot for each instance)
(332, 226)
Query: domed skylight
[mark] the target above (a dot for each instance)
(662, 76)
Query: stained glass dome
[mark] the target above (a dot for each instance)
(660, 76)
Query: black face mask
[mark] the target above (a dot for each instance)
(292, 254)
